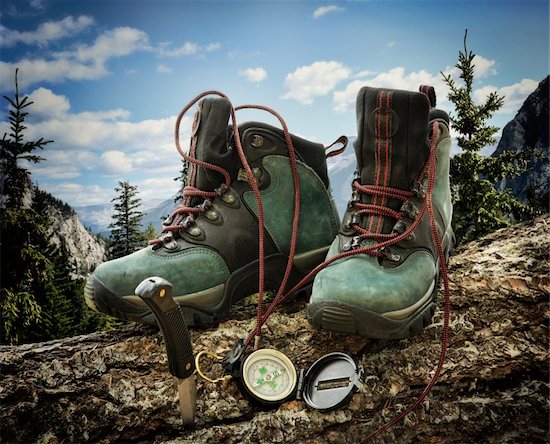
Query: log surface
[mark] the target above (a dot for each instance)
(115, 387)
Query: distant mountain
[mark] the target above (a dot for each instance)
(341, 170)
(98, 217)
(157, 214)
(529, 129)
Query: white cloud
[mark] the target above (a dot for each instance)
(46, 32)
(155, 187)
(164, 69)
(395, 78)
(238, 54)
(103, 142)
(253, 74)
(391, 44)
(514, 95)
(211, 47)
(115, 162)
(79, 195)
(187, 49)
(482, 68)
(114, 43)
(36, 4)
(57, 172)
(86, 62)
(318, 79)
(47, 104)
(323, 10)
(364, 73)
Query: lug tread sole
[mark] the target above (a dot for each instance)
(348, 319)
(240, 284)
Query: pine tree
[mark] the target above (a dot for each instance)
(13, 149)
(25, 269)
(149, 233)
(40, 298)
(183, 179)
(479, 208)
(126, 236)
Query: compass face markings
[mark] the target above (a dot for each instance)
(269, 375)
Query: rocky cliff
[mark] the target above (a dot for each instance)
(529, 130)
(84, 249)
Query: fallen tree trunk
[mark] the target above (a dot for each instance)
(114, 386)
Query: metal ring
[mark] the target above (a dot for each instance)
(199, 371)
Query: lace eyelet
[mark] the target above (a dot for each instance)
(194, 231)
(212, 215)
(229, 198)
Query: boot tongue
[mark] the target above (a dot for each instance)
(392, 144)
(211, 133)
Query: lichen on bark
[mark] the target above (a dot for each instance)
(115, 386)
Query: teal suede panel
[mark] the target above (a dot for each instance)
(318, 221)
(189, 271)
(442, 190)
(360, 281)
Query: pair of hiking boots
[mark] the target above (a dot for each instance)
(383, 266)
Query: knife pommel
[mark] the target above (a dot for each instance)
(157, 294)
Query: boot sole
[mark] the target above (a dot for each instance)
(240, 284)
(345, 318)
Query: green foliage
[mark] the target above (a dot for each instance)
(126, 236)
(183, 178)
(149, 233)
(47, 200)
(40, 295)
(14, 149)
(479, 208)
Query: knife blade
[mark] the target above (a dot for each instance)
(156, 292)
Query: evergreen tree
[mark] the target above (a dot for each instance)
(40, 296)
(126, 236)
(25, 268)
(149, 233)
(479, 208)
(14, 149)
(183, 178)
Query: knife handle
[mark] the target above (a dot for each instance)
(156, 292)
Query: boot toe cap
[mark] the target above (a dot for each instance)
(362, 282)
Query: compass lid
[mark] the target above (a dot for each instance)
(330, 381)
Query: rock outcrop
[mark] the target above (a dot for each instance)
(530, 130)
(83, 248)
(115, 387)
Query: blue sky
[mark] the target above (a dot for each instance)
(109, 77)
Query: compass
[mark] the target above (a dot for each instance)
(269, 377)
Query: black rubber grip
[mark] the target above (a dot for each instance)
(157, 294)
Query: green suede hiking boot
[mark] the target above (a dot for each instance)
(210, 253)
(389, 291)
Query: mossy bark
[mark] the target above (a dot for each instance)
(114, 386)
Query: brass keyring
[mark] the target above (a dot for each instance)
(199, 371)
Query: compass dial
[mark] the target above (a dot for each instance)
(269, 375)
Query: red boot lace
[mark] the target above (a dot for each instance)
(374, 250)
(387, 240)
(178, 221)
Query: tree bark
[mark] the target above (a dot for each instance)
(115, 386)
